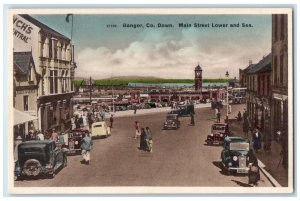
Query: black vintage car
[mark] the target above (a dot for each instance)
(172, 122)
(74, 140)
(184, 110)
(235, 155)
(37, 158)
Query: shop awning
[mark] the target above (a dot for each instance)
(22, 117)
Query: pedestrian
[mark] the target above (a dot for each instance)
(73, 125)
(80, 121)
(16, 144)
(256, 140)
(86, 147)
(30, 136)
(239, 116)
(40, 136)
(192, 120)
(137, 129)
(218, 116)
(54, 135)
(216, 112)
(61, 139)
(245, 114)
(143, 138)
(135, 108)
(111, 121)
(149, 139)
(246, 127)
(253, 174)
(102, 115)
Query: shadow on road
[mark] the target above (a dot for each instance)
(241, 183)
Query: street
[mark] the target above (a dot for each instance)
(179, 158)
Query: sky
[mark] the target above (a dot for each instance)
(174, 52)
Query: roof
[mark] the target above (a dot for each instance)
(22, 117)
(198, 67)
(265, 63)
(43, 26)
(236, 139)
(22, 61)
(249, 68)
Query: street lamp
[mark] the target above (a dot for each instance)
(227, 75)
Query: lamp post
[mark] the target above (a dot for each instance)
(227, 74)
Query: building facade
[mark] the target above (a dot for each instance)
(280, 80)
(258, 94)
(53, 56)
(25, 86)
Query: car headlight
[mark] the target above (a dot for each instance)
(211, 134)
(229, 164)
(76, 142)
(221, 135)
(235, 158)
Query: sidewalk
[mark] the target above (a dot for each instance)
(270, 161)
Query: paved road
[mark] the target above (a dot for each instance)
(179, 158)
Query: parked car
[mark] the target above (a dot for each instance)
(218, 133)
(235, 155)
(37, 158)
(100, 129)
(184, 110)
(172, 122)
(74, 140)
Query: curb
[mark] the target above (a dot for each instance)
(268, 175)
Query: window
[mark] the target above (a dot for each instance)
(53, 81)
(50, 49)
(55, 49)
(281, 69)
(64, 82)
(25, 103)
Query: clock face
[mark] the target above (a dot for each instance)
(198, 73)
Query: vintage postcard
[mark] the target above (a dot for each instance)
(150, 101)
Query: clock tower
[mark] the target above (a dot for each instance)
(198, 78)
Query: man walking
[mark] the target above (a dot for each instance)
(111, 120)
(256, 140)
(86, 147)
(149, 139)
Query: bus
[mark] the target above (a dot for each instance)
(238, 95)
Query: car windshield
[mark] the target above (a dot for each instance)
(218, 127)
(239, 146)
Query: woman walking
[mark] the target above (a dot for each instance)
(253, 175)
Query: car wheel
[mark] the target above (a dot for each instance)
(32, 167)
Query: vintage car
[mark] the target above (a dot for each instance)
(37, 158)
(183, 110)
(100, 129)
(218, 133)
(172, 122)
(74, 140)
(235, 155)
